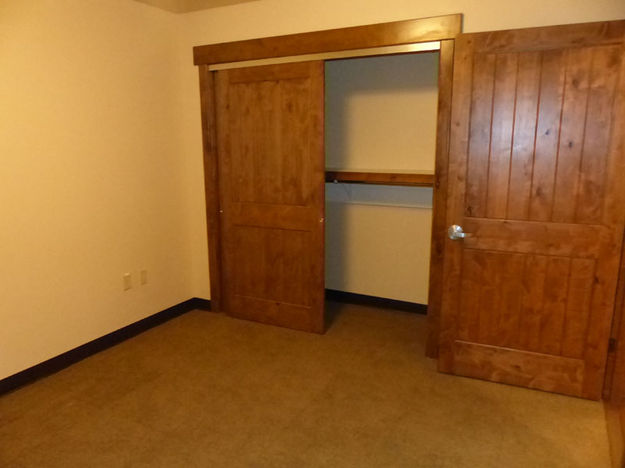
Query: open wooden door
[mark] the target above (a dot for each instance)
(271, 174)
(536, 180)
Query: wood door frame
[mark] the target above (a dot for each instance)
(438, 28)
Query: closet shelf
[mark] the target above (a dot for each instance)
(415, 179)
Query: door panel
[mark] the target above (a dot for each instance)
(271, 172)
(536, 154)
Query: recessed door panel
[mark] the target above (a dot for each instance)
(271, 173)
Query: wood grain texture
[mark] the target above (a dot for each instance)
(538, 192)
(549, 106)
(534, 278)
(581, 240)
(547, 129)
(554, 302)
(522, 155)
(211, 183)
(358, 37)
(502, 125)
(439, 198)
(538, 303)
(531, 370)
(613, 212)
(602, 95)
(551, 37)
(571, 139)
(381, 178)
(480, 134)
(456, 187)
(271, 171)
(581, 279)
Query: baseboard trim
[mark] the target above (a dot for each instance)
(363, 299)
(72, 356)
(197, 303)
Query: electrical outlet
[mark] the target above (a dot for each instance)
(127, 281)
(143, 277)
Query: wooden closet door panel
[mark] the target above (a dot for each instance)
(271, 171)
(536, 162)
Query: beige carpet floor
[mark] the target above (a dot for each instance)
(205, 390)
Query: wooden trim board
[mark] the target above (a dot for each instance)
(439, 199)
(358, 37)
(211, 183)
(381, 178)
(81, 352)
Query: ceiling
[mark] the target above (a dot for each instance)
(184, 6)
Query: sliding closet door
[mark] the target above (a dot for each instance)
(536, 181)
(271, 184)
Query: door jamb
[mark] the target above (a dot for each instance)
(211, 182)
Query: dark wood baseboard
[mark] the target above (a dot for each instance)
(363, 299)
(196, 303)
(72, 356)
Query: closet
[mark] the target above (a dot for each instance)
(264, 133)
(527, 202)
(380, 130)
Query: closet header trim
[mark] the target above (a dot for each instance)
(414, 31)
(373, 51)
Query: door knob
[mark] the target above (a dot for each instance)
(455, 232)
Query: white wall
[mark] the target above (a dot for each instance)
(378, 240)
(380, 116)
(275, 17)
(92, 181)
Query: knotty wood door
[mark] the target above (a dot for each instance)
(271, 175)
(536, 179)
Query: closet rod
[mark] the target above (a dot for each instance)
(373, 51)
(415, 206)
(381, 178)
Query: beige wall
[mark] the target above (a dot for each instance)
(182, 6)
(381, 112)
(275, 17)
(92, 182)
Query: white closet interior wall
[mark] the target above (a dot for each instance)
(380, 116)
